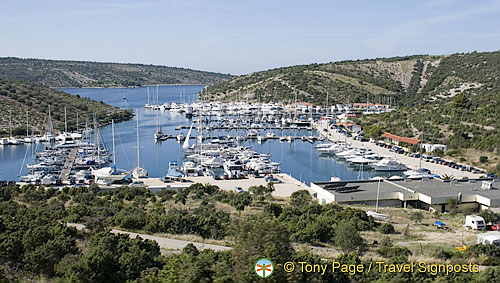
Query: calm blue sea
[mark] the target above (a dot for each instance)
(299, 158)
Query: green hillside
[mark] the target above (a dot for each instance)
(454, 98)
(56, 73)
(18, 97)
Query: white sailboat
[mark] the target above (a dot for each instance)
(110, 174)
(139, 172)
(11, 140)
(186, 141)
(27, 139)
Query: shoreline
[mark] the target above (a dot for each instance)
(410, 162)
(126, 87)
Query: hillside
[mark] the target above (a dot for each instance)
(55, 73)
(454, 98)
(19, 97)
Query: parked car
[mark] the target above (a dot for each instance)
(440, 225)
(273, 180)
(493, 227)
(238, 189)
(137, 183)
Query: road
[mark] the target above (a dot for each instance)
(410, 162)
(165, 243)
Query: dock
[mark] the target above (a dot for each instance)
(68, 164)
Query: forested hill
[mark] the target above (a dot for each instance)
(17, 98)
(454, 98)
(56, 73)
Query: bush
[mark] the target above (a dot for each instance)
(387, 228)
(417, 216)
(389, 252)
(483, 159)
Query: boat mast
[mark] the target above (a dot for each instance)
(77, 121)
(96, 136)
(113, 137)
(421, 141)
(10, 123)
(378, 192)
(51, 126)
(27, 125)
(148, 96)
(138, 158)
(65, 121)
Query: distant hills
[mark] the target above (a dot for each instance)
(57, 73)
(455, 98)
(18, 97)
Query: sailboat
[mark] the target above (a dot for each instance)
(139, 172)
(375, 214)
(110, 174)
(11, 139)
(186, 141)
(27, 139)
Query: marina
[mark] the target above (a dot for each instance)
(217, 140)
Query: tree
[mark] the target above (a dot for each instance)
(417, 216)
(452, 205)
(347, 237)
(260, 236)
(483, 159)
(372, 131)
(261, 192)
(300, 198)
(386, 228)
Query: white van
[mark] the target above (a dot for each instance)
(474, 222)
(489, 238)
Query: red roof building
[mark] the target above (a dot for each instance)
(397, 139)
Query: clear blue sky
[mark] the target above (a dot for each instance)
(240, 36)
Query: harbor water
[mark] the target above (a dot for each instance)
(298, 158)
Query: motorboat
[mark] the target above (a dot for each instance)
(173, 171)
(233, 168)
(388, 165)
(110, 174)
(270, 135)
(420, 173)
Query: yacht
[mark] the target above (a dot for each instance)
(389, 165)
(252, 134)
(270, 135)
(418, 174)
(233, 168)
(13, 141)
(173, 171)
(110, 174)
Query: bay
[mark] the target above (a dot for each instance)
(298, 158)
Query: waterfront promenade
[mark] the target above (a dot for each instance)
(411, 162)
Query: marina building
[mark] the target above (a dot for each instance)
(428, 194)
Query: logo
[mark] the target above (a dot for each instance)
(264, 268)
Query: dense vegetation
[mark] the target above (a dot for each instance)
(454, 99)
(17, 98)
(56, 73)
(36, 244)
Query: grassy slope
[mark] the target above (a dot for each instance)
(55, 73)
(18, 97)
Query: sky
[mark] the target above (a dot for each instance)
(244, 36)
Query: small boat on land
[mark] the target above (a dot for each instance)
(389, 165)
(173, 172)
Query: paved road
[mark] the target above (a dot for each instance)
(411, 162)
(166, 243)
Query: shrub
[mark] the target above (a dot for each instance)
(387, 228)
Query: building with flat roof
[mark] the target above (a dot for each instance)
(428, 194)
